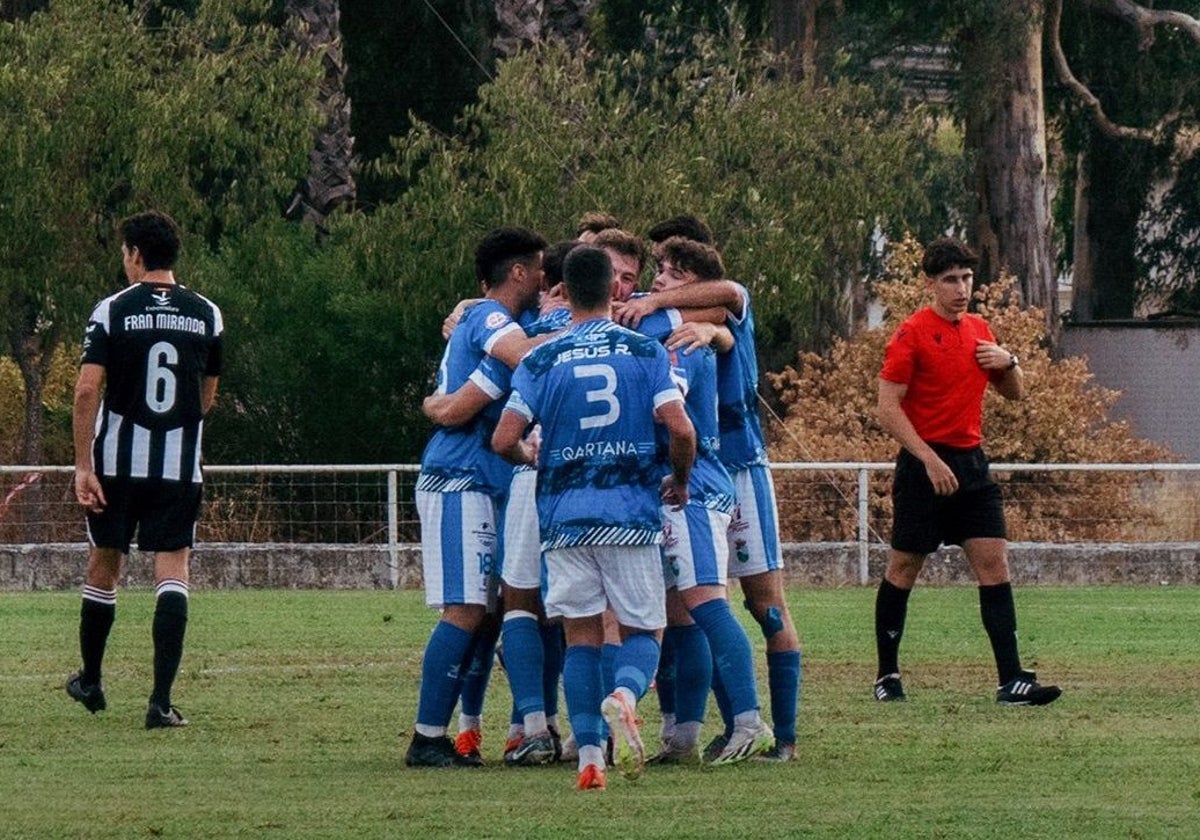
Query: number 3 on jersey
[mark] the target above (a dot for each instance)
(605, 394)
(160, 379)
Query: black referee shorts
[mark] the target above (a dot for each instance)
(923, 520)
(161, 513)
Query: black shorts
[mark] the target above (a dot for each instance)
(162, 513)
(923, 520)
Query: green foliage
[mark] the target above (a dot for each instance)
(206, 116)
(57, 398)
(777, 168)
(320, 366)
(830, 415)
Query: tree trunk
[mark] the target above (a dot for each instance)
(522, 23)
(11, 10)
(32, 346)
(518, 25)
(1006, 126)
(1082, 256)
(315, 26)
(1108, 236)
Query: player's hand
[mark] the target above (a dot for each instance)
(533, 444)
(941, 477)
(691, 336)
(554, 299)
(631, 312)
(673, 494)
(88, 491)
(991, 356)
(455, 316)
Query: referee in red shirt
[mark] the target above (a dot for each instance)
(937, 366)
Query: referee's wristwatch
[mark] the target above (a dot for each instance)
(1013, 361)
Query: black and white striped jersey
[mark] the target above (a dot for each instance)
(156, 343)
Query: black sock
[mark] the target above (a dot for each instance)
(891, 610)
(96, 616)
(999, 615)
(170, 624)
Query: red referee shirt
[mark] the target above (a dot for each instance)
(935, 358)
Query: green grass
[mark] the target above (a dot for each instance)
(300, 704)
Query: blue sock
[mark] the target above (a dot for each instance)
(693, 669)
(784, 677)
(722, 698)
(635, 662)
(523, 660)
(732, 655)
(608, 655)
(482, 654)
(664, 680)
(553, 649)
(583, 689)
(441, 674)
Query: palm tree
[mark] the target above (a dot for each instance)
(522, 23)
(315, 26)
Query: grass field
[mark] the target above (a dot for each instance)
(301, 702)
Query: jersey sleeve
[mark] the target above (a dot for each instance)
(523, 397)
(660, 323)
(95, 337)
(492, 377)
(495, 325)
(664, 385)
(898, 358)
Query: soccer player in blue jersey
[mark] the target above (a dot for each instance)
(533, 646)
(154, 351)
(754, 556)
(462, 483)
(702, 631)
(599, 391)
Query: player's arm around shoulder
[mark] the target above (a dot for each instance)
(681, 450)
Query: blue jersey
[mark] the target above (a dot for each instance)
(595, 390)
(696, 375)
(552, 321)
(461, 458)
(742, 442)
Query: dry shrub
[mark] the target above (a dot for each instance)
(829, 404)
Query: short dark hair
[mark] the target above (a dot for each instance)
(501, 249)
(587, 272)
(702, 260)
(688, 227)
(595, 222)
(947, 252)
(623, 242)
(552, 260)
(156, 237)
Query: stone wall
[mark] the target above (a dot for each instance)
(287, 566)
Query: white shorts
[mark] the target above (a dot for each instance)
(754, 530)
(695, 548)
(458, 548)
(586, 579)
(522, 545)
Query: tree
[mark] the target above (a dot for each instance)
(204, 117)
(314, 26)
(1132, 103)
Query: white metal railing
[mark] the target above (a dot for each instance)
(836, 501)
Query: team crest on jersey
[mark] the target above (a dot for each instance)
(496, 320)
